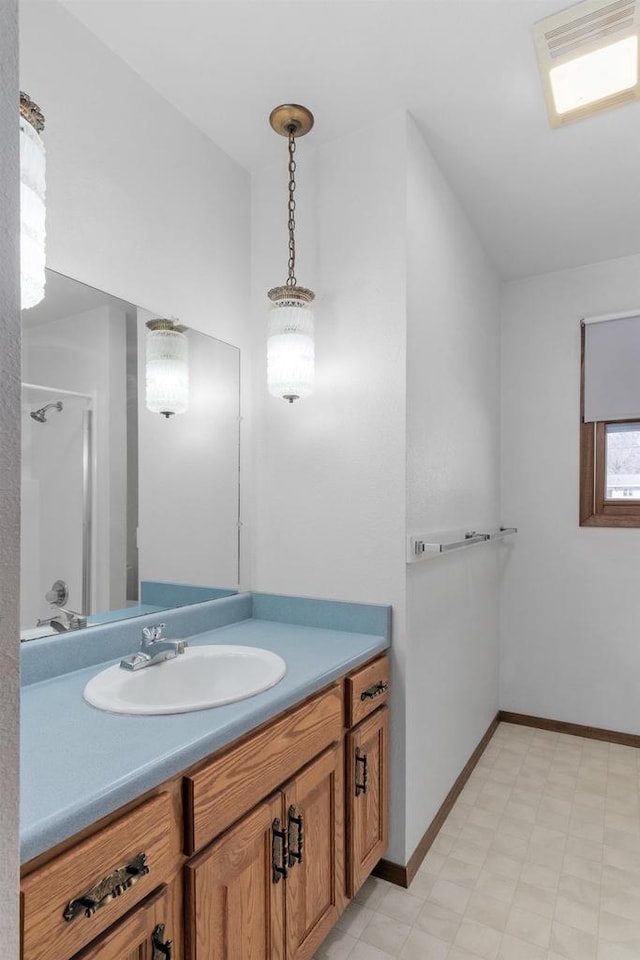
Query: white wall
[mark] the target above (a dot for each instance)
(9, 478)
(571, 607)
(330, 484)
(139, 202)
(330, 469)
(452, 482)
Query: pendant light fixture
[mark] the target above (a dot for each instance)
(167, 368)
(32, 203)
(290, 350)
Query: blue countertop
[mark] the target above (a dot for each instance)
(80, 763)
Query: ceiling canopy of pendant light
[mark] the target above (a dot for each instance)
(290, 347)
(32, 203)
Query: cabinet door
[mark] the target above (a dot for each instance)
(234, 909)
(314, 805)
(367, 797)
(143, 934)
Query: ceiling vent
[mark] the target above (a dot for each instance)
(588, 56)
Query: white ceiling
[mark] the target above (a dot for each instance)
(541, 199)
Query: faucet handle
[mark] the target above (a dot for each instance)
(154, 632)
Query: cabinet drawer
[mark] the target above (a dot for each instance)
(56, 924)
(366, 689)
(233, 783)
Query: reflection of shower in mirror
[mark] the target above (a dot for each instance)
(41, 414)
(56, 497)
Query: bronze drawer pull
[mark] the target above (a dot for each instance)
(361, 758)
(107, 889)
(162, 949)
(295, 856)
(375, 690)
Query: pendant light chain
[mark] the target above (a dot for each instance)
(291, 223)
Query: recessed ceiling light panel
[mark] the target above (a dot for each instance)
(588, 58)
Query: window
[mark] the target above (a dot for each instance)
(610, 422)
(622, 461)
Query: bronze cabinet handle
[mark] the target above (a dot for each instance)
(361, 758)
(295, 856)
(279, 855)
(162, 949)
(374, 690)
(107, 889)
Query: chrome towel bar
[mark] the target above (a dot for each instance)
(422, 548)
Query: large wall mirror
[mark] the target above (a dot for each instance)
(125, 510)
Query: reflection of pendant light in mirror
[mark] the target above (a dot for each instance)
(290, 350)
(167, 368)
(32, 203)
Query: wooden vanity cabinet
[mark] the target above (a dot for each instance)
(272, 887)
(245, 853)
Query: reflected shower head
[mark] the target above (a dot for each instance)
(41, 414)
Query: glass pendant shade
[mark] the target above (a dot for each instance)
(32, 204)
(290, 346)
(167, 368)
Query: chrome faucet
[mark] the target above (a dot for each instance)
(154, 648)
(64, 620)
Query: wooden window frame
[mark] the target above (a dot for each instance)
(595, 511)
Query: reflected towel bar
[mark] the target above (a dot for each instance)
(420, 548)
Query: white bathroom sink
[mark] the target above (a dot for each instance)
(201, 677)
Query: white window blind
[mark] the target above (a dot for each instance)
(612, 368)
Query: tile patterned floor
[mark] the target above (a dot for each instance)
(538, 860)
